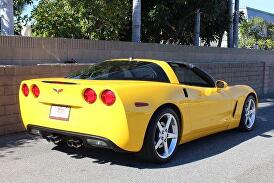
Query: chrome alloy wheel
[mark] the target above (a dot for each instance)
(166, 135)
(250, 113)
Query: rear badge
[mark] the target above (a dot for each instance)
(58, 90)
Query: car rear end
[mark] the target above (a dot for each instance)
(108, 104)
(80, 112)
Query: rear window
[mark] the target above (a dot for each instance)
(122, 70)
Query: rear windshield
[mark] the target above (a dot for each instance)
(122, 70)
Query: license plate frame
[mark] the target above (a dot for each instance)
(58, 112)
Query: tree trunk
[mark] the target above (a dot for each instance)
(197, 28)
(220, 40)
(236, 24)
(6, 17)
(136, 21)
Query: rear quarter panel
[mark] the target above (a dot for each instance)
(156, 95)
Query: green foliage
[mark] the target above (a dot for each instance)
(19, 6)
(18, 17)
(162, 20)
(257, 31)
(98, 19)
(173, 20)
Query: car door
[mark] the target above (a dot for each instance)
(209, 108)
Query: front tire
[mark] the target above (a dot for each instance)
(162, 136)
(248, 117)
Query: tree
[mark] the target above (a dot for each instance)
(19, 18)
(257, 32)
(100, 19)
(165, 21)
(173, 21)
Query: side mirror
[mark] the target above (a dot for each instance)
(221, 84)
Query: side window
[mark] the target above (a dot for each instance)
(144, 72)
(191, 76)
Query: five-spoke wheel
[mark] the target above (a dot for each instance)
(166, 135)
(248, 115)
(162, 136)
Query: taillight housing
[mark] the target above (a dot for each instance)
(35, 90)
(108, 97)
(25, 90)
(90, 96)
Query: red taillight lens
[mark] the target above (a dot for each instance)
(90, 96)
(108, 97)
(35, 90)
(25, 89)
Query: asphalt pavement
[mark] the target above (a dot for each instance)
(230, 156)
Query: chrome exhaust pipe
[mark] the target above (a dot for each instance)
(54, 139)
(70, 143)
(49, 138)
(75, 143)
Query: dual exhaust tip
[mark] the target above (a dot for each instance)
(55, 139)
(73, 143)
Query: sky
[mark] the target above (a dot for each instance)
(264, 5)
(28, 8)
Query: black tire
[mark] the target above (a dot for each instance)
(243, 126)
(148, 151)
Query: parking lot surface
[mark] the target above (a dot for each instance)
(230, 156)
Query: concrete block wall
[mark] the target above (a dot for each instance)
(270, 79)
(251, 74)
(30, 51)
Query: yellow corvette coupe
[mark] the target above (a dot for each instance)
(135, 105)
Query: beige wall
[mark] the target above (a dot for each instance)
(29, 51)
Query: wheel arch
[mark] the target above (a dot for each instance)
(166, 105)
(176, 109)
(172, 106)
(243, 100)
(240, 124)
(253, 94)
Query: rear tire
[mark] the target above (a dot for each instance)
(248, 117)
(162, 136)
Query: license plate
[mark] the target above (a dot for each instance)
(59, 113)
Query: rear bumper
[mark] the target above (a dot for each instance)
(65, 135)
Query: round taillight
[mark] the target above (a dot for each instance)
(90, 96)
(108, 97)
(25, 90)
(35, 90)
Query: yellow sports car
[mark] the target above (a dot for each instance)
(135, 105)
